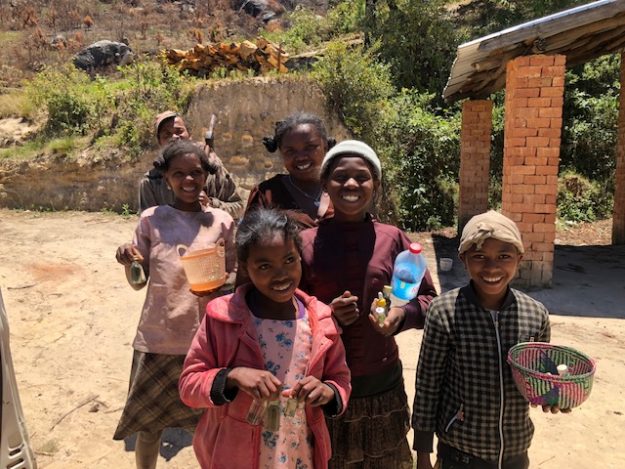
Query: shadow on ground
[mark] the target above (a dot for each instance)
(587, 280)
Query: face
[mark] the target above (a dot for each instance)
(274, 268)
(303, 150)
(350, 185)
(186, 177)
(171, 130)
(492, 268)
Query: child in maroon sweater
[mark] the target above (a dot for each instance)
(347, 260)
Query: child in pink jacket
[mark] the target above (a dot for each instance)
(267, 362)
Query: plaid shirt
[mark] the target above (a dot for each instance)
(464, 388)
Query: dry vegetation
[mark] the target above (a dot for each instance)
(36, 33)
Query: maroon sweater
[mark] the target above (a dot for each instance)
(359, 257)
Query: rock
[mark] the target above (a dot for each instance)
(102, 54)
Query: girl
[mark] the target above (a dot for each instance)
(346, 261)
(303, 141)
(268, 342)
(171, 313)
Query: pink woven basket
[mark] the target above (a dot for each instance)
(535, 371)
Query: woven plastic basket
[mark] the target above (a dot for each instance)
(535, 371)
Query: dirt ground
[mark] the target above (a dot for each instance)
(73, 317)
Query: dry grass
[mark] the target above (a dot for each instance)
(26, 33)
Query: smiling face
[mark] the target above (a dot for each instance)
(350, 185)
(302, 151)
(186, 177)
(491, 268)
(171, 130)
(274, 267)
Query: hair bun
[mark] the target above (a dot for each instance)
(270, 144)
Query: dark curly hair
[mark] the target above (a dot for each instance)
(183, 147)
(299, 118)
(261, 224)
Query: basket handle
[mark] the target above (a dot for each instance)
(221, 247)
(182, 246)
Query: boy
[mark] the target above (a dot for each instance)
(220, 192)
(464, 388)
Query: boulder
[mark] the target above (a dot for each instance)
(102, 54)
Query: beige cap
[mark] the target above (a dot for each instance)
(490, 225)
(161, 118)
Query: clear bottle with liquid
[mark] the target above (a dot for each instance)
(409, 269)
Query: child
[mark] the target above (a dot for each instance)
(347, 260)
(220, 190)
(171, 313)
(464, 390)
(303, 141)
(274, 343)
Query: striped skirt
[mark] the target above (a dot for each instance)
(153, 402)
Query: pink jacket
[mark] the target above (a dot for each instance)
(226, 339)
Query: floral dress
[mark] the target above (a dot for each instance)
(286, 348)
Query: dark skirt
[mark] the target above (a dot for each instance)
(372, 433)
(153, 402)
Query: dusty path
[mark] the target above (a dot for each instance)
(73, 316)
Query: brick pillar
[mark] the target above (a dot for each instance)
(477, 123)
(533, 124)
(618, 218)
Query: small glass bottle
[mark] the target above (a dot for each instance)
(271, 420)
(380, 309)
(137, 275)
(256, 411)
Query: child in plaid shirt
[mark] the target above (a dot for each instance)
(465, 392)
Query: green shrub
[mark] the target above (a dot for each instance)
(582, 200)
(421, 152)
(74, 104)
(356, 86)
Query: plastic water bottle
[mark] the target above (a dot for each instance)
(408, 272)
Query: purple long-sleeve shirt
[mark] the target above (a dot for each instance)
(359, 257)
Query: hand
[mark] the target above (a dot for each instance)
(204, 199)
(553, 409)
(393, 320)
(424, 461)
(311, 391)
(127, 253)
(260, 384)
(345, 308)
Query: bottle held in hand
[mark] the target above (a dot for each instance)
(409, 269)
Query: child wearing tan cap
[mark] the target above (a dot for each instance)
(465, 392)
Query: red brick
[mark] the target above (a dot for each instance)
(515, 179)
(557, 102)
(555, 112)
(518, 122)
(516, 142)
(521, 61)
(545, 208)
(524, 132)
(556, 123)
(526, 112)
(560, 60)
(547, 189)
(533, 218)
(557, 81)
(544, 227)
(552, 91)
(537, 141)
(554, 142)
(524, 226)
(552, 180)
(550, 199)
(538, 122)
(530, 72)
(527, 93)
(526, 170)
(553, 160)
(528, 151)
(540, 82)
(555, 71)
(548, 152)
(519, 82)
(522, 188)
(546, 170)
(535, 180)
(539, 102)
(516, 198)
(544, 60)
(550, 218)
(533, 237)
(535, 160)
(553, 133)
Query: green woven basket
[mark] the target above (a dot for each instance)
(535, 371)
